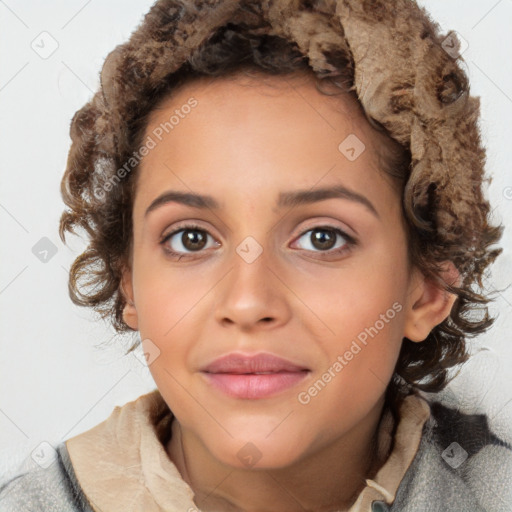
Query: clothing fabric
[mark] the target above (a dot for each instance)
(434, 459)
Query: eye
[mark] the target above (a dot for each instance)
(326, 239)
(186, 240)
(189, 239)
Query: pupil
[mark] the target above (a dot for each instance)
(193, 240)
(323, 239)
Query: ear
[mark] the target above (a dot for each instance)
(129, 312)
(428, 304)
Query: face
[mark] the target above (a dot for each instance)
(266, 235)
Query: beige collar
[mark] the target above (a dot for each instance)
(121, 463)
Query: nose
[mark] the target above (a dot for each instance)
(252, 296)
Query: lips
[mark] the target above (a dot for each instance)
(259, 363)
(252, 377)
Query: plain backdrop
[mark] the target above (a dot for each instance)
(62, 370)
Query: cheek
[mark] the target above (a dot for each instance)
(359, 370)
(164, 293)
(355, 297)
(172, 307)
(364, 311)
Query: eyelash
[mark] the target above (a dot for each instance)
(351, 242)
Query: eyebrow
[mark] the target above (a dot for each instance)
(286, 199)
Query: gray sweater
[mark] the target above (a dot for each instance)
(460, 466)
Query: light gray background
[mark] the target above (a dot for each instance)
(58, 375)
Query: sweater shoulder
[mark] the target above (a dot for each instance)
(461, 464)
(51, 489)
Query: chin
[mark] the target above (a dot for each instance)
(254, 450)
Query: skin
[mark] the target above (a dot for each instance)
(244, 143)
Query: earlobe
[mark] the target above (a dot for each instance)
(129, 312)
(429, 304)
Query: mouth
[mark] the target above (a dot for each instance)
(253, 377)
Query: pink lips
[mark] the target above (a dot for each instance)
(253, 377)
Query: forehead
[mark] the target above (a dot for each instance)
(277, 127)
(243, 88)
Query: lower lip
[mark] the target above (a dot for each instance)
(253, 386)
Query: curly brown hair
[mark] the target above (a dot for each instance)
(389, 55)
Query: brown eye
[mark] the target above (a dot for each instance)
(186, 240)
(323, 239)
(193, 240)
(326, 239)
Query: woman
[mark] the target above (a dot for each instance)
(285, 200)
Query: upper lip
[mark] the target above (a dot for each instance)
(257, 363)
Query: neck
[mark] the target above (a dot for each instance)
(328, 479)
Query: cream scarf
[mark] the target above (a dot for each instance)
(122, 466)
